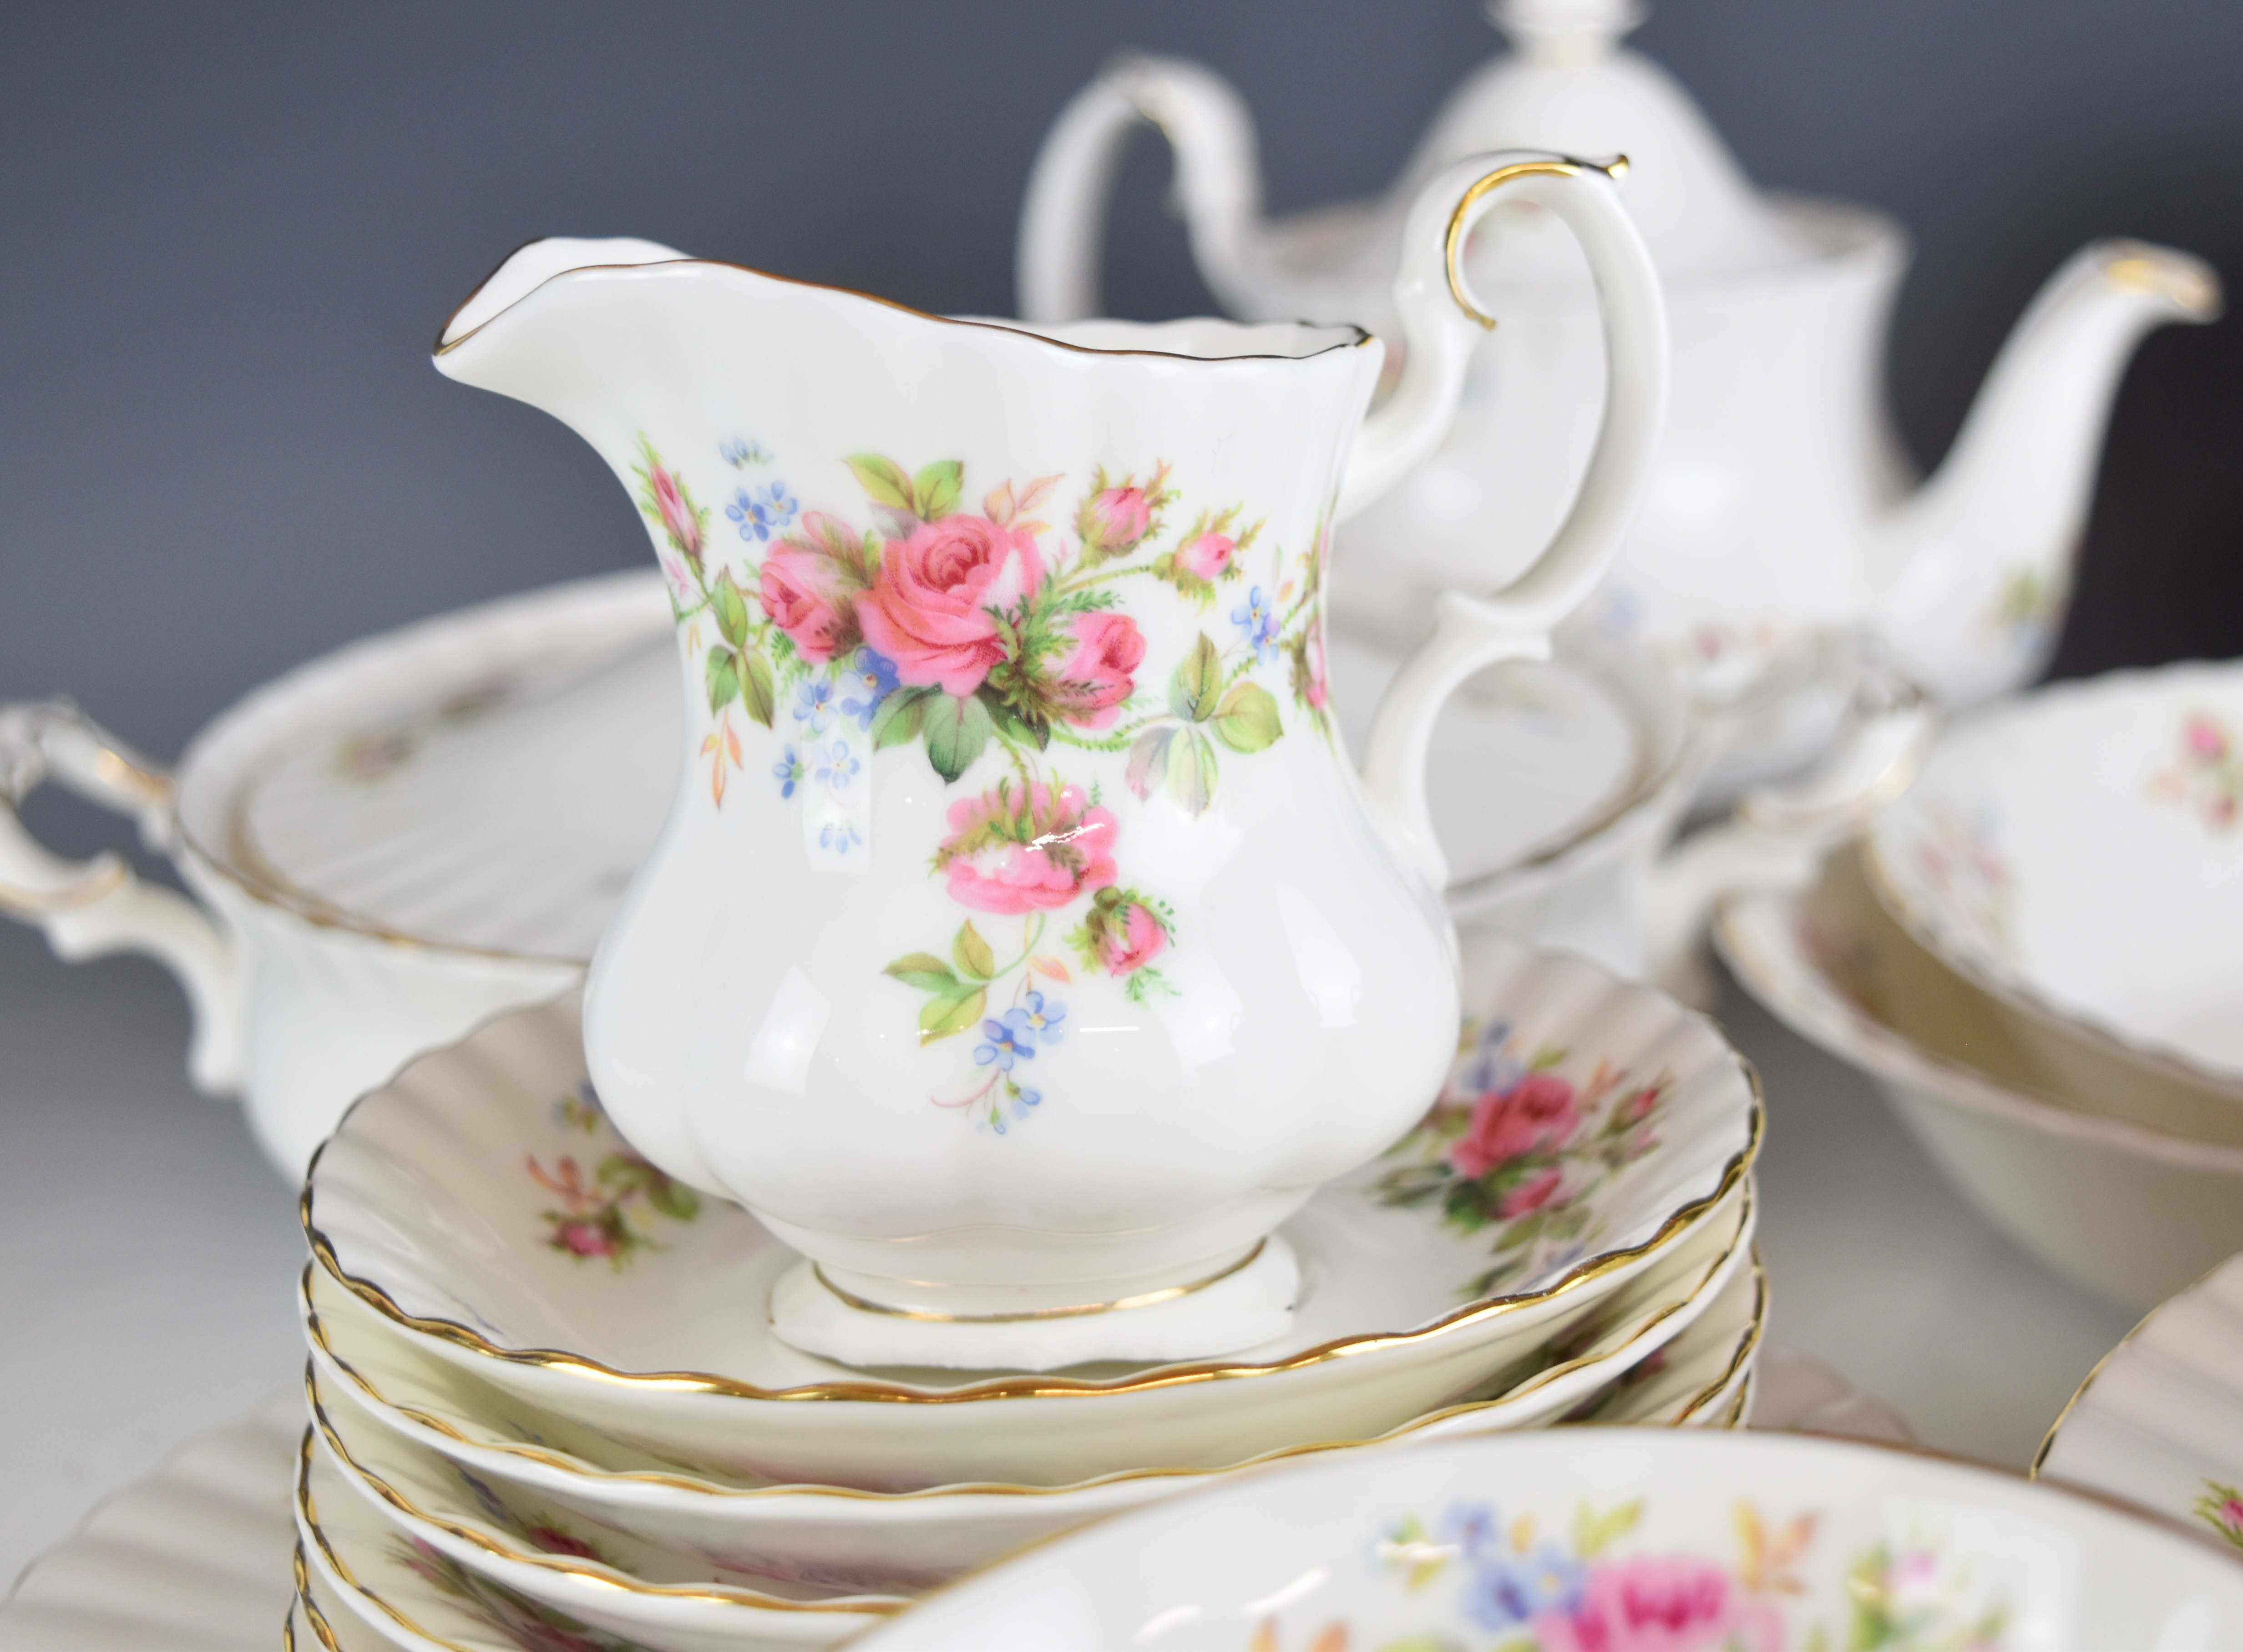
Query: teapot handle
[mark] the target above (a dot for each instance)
(1218, 182)
(1441, 322)
(92, 907)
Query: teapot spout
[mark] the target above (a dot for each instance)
(1988, 544)
(1218, 184)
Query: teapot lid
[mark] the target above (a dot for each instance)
(1569, 85)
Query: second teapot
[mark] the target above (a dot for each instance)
(1780, 505)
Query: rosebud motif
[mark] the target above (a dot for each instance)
(679, 520)
(1095, 680)
(1121, 934)
(1208, 557)
(1116, 520)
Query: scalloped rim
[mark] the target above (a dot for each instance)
(1717, 1274)
(2132, 1512)
(1995, 975)
(1583, 1274)
(1817, 1014)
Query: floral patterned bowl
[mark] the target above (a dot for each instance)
(2079, 852)
(481, 1208)
(1652, 1541)
(2132, 1213)
(2159, 1420)
(448, 1454)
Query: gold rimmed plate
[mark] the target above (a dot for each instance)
(387, 1406)
(481, 1208)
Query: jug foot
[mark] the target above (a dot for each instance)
(859, 1320)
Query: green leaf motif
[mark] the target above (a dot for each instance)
(897, 719)
(1192, 691)
(940, 1017)
(674, 1199)
(1247, 719)
(974, 957)
(1149, 759)
(924, 970)
(1011, 725)
(756, 693)
(883, 481)
(723, 669)
(1191, 771)
(936, 488)
(731, 610)
(956, 731)
(1594, 1532)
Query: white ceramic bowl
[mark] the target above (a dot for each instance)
(2079, 851)
(396, 1419)
(587, 1287)
(391, 843)
(2159, 1420)
(2127, 1211)
(1612, 1538)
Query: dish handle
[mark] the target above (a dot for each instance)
(1779, 834)
(90, 908)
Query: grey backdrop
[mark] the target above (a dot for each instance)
(232, 230)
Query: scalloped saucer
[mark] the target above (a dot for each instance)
(481, 1209)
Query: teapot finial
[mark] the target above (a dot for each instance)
(1565, 34)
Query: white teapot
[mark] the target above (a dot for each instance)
(1780, 505)
(1020, 948)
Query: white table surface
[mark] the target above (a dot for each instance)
(150, 1253)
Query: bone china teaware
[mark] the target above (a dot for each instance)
(1021, 949)
(481, 1210)
(2078, 853)
(1604, 1538)
(838, 1539)
(2159, 1420)
(2126, 1211)
(1780, 503)
(387, 844)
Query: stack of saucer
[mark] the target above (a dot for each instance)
(2035, 952)
(547, 1401)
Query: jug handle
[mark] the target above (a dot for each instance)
(1441, 322)
(1778, 835)
(92, 907)
(1218, 181)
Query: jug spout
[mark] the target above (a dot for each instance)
(1988, 542)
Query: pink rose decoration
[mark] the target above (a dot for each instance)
(2207, 741)
(1319, 689)
(677, 518)
(551, 1540)
(807, 596)
(1021, 849)
(1537, 1114)
(1096, 679)
(1118, 518)
(1206, 556)
(1660, 1603)
(929, 609)
(582, 1238)
(1131, 939)
(1531, 1194)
